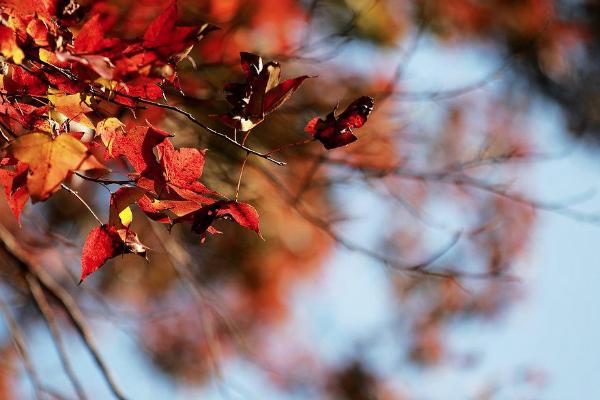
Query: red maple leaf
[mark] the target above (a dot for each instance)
(335, 131)
(136, 144)
(20, 115)
(105, 242)
(181, 169)
(102, 244)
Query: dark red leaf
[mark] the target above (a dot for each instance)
(24, 82)
(91, 40)
(242, 213)
(335, 131)
(181, 169)
(259, 95)
(278, 95)
(120, 200)
(168, 40)
(15, 185)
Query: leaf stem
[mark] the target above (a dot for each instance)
(239, 183)
(74, 193)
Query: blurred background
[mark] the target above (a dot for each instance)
(449, 253)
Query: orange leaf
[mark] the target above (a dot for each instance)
(51, 160)
(73, 107)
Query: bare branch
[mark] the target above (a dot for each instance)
(28, 264)
(74, 193)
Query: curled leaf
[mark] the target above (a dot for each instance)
(105, 242)
(260, 95)
(120, 213)
(242, 213)
(14, 182)
(336, 131)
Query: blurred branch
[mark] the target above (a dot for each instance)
(18, 338)
(419, 268)
(28, 264)
(455, 177)
(181, 261)
(48, 314)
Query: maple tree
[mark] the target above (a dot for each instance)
(105, 111)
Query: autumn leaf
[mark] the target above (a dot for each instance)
(174, 186)
(21, 81)
(102, 244)
(105, 242)
(181, 169)
(336, 131)
(73, 106)
(107, 131)
(38, 31)
(8, 45)
(242, 213)
(136, 144)
(20, 115)
(50, 161)
(149, 206)
(132, 243)
(143, 87)
(92, 51)
(171, 41)
(91, 40)
(260, 95)
(14, 183)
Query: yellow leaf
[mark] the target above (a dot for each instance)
(46, 56)
(51, 160)
(120, 212)
(107, 129)
(8, 45)
(73, 106)
(126, 216)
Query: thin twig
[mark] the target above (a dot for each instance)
(193, 119)
(420, 267)
(74, 193)
(239, 183)
(106, 181)
(176, 109)
(290, 145)
(4, 136)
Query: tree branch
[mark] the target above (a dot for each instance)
(48, 314)
(28, 264)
